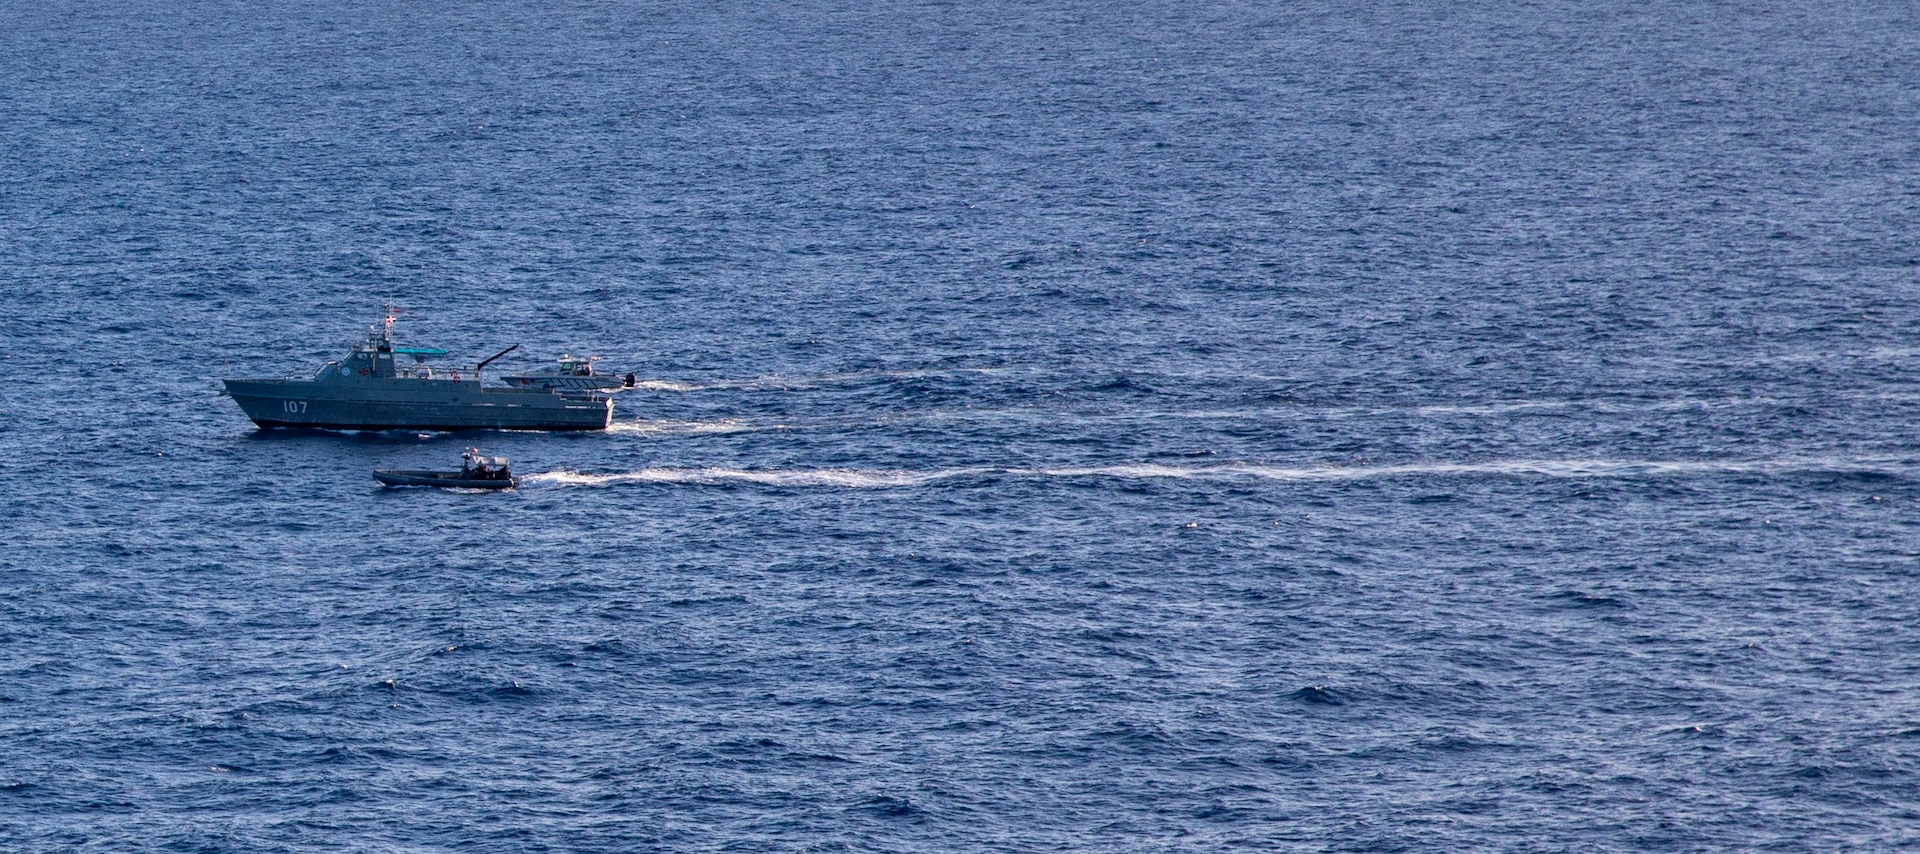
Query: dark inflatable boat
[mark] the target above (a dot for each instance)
(476, 472)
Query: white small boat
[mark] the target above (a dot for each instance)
(575, 373)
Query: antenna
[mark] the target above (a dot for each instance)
(489, 359)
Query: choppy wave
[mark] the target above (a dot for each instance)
(1565, 485)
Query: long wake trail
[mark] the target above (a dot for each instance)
(1237, 471)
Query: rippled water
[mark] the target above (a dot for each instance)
(1079, 426)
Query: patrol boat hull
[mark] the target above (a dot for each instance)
(370, 389)
(414, 404)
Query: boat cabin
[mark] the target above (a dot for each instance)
(373, 358)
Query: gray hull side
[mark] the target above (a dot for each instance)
(451, 480)
(413, 405)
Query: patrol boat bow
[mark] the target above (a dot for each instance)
(370, 389)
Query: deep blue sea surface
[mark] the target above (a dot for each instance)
(1093, 426)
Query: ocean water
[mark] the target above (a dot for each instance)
(1079, 426)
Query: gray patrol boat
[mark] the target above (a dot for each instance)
(371, 389)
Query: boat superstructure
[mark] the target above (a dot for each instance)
(375, 387)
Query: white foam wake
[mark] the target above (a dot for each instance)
(894, 478)
(1512, 468)
(664, 385)
(796, 382)
(678, 428)
(847, 478)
